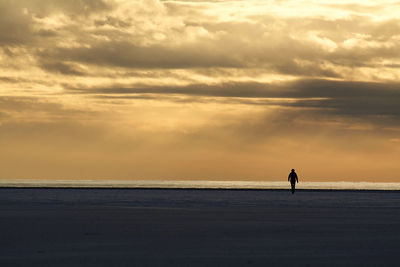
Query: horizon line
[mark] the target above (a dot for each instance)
(196, 184)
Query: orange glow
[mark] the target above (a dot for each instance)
(192, 90)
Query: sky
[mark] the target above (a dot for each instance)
(200, 90)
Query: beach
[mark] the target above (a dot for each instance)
(187, 227)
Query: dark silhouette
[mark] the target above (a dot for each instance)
(293, 179)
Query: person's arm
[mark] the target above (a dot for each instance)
(297, 180)
(288, 178)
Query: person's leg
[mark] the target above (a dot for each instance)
(293, 188)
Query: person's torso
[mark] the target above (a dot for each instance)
(293, 177)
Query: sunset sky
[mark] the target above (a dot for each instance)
(210, 90)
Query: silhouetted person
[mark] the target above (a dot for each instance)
(293, 179)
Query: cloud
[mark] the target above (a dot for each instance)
(206, 85)
(42, 8)
(15, 25)
(340, 97)
(50, 140)
(63, 68)
(192, 35)
(19, 19)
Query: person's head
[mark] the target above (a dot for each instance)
(292, 170)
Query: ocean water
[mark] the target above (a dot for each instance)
(197, 184)
(187, 227)
(189, 198)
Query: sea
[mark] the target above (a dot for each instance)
(195, 184)
(198, 223)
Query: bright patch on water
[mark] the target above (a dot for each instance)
(199, 184)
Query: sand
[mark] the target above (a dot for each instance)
(138, 227)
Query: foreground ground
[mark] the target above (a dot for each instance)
(88, 227)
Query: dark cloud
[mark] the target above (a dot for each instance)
(359, 107)
(303, 88)
(47, 33)
(10, 79)
(337, 97)
(62, 68)
(15, 25)
(129, 55)
(112, 21)
(240, 46)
